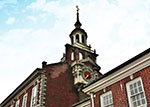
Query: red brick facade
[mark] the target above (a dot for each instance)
(58, 89)
(119, 94)
(60, 86)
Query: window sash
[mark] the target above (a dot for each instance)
(136, 94)
(34, 96)
(24, 103)
(106, 99)
(17, 103)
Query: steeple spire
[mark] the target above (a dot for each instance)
(78, 24)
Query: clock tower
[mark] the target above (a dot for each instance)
(81, 57)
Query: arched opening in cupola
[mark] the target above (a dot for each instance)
(83, 39)
(77, 38)
(72, 40)
(81, 56)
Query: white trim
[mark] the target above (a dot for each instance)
(34, 94)
(17, 103)
(105, 94)
(24, 102)
(72, 56)
(80, 38)
(92, 98)
(118, 76)
(129, 94)
(80, 56)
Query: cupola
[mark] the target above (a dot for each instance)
(78, 36)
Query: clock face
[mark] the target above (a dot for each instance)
(87, 74)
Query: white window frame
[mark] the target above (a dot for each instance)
(139, 93)
(102, 99)
(24, 103)
(34, 96)
(72, 56)
(17, 103)
(80, 56)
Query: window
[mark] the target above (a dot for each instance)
(106, 99)
(80, 56)
(24, 103)
(83, 41)
(17, 103)
(136, 93)
(72, 39)
(77, 38)
(72, 56)
(34, 96)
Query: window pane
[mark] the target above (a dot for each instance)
(140, 89)
(136, 93)
(143, 101)
(136, 90)
(131, 87)
(107, 100)
(139, 83)
(134, 104)
(142, 95)
(139, 103)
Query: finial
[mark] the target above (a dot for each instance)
(78, 24)
(77, 8)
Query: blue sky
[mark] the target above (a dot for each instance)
(32, 31)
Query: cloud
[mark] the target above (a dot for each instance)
(1, 6)
(32, 18)
(110, 21)
(5, 2)
(10, 20)
(37, 5)
(51, 7)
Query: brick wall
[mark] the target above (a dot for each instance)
(119, 91)
(60, 91)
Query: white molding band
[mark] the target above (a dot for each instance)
(92, 98)
(113, 78)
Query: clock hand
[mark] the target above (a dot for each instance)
(87, 76)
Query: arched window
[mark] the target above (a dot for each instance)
(72, 40)
(72, 56)
(83, 40)
(77, 37)
(80, 56)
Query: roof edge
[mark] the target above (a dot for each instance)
(120, 66)
(34, 74)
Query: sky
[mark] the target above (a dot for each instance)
(32, 31)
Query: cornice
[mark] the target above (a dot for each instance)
(129, 69)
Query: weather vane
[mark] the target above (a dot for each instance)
(77, 8)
